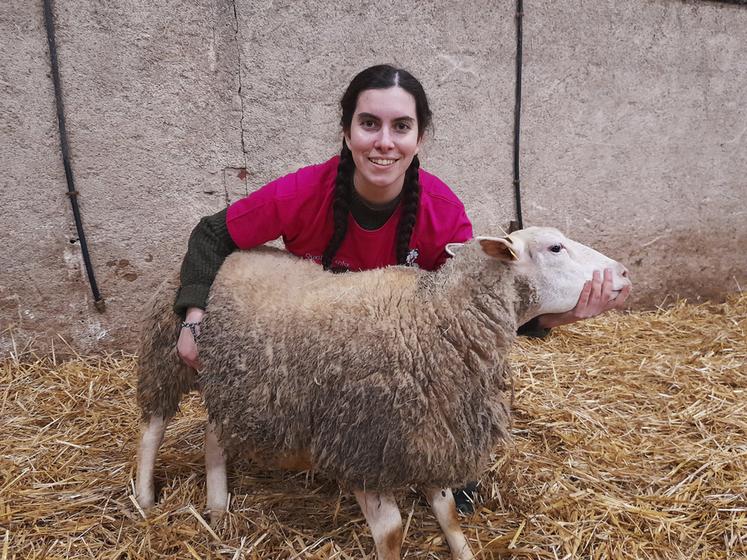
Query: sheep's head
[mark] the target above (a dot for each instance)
(557, 267)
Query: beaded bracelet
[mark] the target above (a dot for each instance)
(193, 328)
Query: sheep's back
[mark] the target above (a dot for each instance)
(265, 279)
(347, 367)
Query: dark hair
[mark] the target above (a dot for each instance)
(382, 76)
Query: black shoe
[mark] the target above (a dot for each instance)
(466, 498)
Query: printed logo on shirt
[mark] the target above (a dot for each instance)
(412, 258)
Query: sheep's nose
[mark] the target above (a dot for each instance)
(623, 271)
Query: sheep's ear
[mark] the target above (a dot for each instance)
(498, 248)
(453, 248)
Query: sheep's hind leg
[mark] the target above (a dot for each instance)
(215, 467)
(383, 517)
(150, 440)
(444, 508)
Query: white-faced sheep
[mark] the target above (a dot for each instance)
(383, 379)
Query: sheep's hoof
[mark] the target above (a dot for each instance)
(145, 494)
(216, 503)
(215, 516)
(146, 502)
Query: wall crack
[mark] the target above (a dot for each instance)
(241, 98)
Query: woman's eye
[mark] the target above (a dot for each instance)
(402, 127)
(556, 248)
(368, 124)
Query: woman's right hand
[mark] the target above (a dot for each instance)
(186, 346)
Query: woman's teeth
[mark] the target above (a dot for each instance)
(382, 161)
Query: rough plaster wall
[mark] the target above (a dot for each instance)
(152, 107)
(635, 137)
(35, 226)
(297, 59)
(633, 132)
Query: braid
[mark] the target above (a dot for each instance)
(410, 200)
(340, 205)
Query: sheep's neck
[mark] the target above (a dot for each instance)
(478, 304)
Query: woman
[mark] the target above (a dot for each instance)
(369, 207)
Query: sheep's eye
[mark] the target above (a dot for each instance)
(556, 248)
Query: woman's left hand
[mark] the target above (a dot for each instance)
(594, 300)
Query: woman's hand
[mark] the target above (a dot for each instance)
(186, 346)
(594, 300)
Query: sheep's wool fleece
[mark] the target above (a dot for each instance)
(382, 379)
(162, 376)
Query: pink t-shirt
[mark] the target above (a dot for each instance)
(298, 208)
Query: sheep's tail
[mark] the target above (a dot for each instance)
(162, 376)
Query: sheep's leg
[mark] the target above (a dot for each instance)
(383, 517)
(215, 467)
(444, 508)
(150, 440)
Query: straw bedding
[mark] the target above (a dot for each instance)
(630, 441)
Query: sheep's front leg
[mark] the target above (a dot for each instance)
(444, 508)
(151, 436)
(215, 467)
(383, 517)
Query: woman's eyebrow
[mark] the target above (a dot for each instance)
(368, 116)
(404, 118)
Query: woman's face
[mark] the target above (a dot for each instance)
(383, 139)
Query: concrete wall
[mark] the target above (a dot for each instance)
(633, 133)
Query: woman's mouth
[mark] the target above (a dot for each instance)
(383, 162)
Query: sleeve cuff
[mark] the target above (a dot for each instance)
(532, 329)
(192, 295)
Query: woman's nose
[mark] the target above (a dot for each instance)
(384, 141)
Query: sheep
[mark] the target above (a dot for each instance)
(383, 380)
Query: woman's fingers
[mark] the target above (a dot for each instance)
(579, 312)
(595, 298)
(186, 347)
(619, 301)
(606, 294)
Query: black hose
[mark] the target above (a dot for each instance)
(71, 192)
(519, 223)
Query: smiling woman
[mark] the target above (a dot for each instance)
(383, 139)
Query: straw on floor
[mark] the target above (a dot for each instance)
(630, 441)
